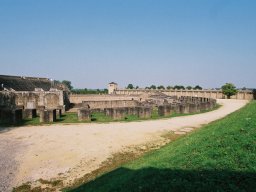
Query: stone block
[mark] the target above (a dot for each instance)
(184, 108)
(119, 113)
(84, 114)
(17, 115)
(109, 112)
(176, 108)
(10, 116)
(192, 108)
(38, 109)
(47, 115)
(161, 111)
(144, 112)
(29, 113)
(59, 112)
(133, 111)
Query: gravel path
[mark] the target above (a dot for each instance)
(74, 150)
(9, 150)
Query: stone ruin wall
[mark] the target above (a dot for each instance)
(182, 105)
(214, 94)
(15, 106)
(110, 104)
(7, 100)
(33, 100)
(79, 98)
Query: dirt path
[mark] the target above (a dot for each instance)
(71, 151)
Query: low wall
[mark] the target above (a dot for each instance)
(79, 98)
(215, 94)
(110, 104)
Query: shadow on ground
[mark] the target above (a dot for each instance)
(152, 179)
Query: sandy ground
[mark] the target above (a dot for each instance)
(70, 151)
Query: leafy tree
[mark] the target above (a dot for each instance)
(152, 87)
(68, 84)
(147, 88)
(130, 86)
(244, 88)
(89, 91)
(169, 87)
(161, 87)
(137, 87)
(229, 89)
(179, 87)
(198, 87)
(189, 87)
(254, 93)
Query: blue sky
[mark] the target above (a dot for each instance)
(143, 42)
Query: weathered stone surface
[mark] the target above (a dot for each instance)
(59, 112)
(161, 111)
(84, 114)
(29, 113)
(47, 116)
(184, 108)
(119, 113)
(10, 116)
(192, 108)
(144, 112)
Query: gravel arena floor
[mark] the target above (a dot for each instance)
(71, 151)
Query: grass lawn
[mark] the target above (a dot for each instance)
(218, 157)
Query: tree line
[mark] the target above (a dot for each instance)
(179, 87)
(82, 91)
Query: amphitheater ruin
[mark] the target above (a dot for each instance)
(28, 97)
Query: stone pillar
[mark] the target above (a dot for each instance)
(144, 112)
(108, 112)
(161, 110)
(38, 109)
(202, 106)
(192, 108)
(10, 116)
(47, 116)
(176, 108)
(84, 114)
(119, 113)
(59, 112)
(184, 108)
(17, 115)
(29, 113)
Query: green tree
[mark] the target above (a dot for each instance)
(68, 84)
(130, 86)
(161, 87)
(169, 87)
(179, 87)
(229, 89)
(152, 87)
(198, 87)
(189, 87)
(254, 93)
